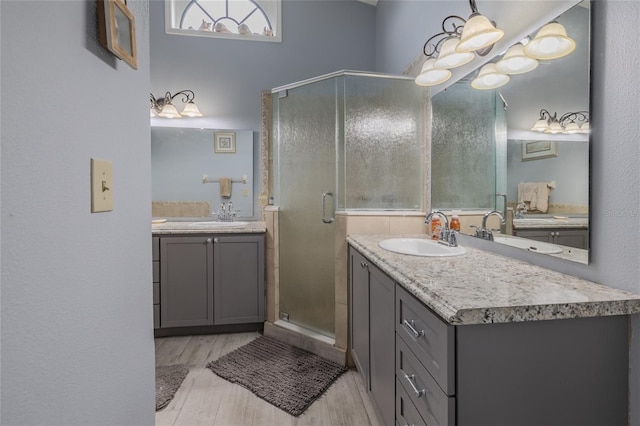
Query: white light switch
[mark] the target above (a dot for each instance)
(101, 185)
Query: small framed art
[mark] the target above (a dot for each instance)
(536, 150)
(224, 143)
(117, 30)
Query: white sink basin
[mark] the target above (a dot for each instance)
(420, 247)
(216, 224)
(531, 245)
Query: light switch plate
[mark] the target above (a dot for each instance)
(101, 185)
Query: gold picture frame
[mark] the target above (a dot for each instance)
(537, 150)
(224, 142)
(117, 30)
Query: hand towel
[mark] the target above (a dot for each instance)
(225, 187)
(542, 197)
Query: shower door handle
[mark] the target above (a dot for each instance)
(324, 208)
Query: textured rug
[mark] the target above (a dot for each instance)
(283, 375)
(168, 380)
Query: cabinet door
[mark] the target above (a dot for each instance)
(186, 281)
(359, 311)
(572, 238)
(238, 279)
(382, 343)
(543, 235)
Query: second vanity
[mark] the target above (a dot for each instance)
(481, 339)
(208, 276)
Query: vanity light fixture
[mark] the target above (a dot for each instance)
(430, 76)
(163, 107)
(551, 42)
(515, 61)
(568, 123)
(457, 44)
(489, 78)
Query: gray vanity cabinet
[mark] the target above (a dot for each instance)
(186, 281)
(569, 237)
(238, 274)
(372, 332)
(214, 280)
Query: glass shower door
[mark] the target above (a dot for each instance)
(305, 127)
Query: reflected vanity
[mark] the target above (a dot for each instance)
(482, 150)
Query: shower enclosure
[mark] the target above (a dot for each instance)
(343, 141)
(468, 149)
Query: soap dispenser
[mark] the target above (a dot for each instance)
(436, 226)
(454, 225)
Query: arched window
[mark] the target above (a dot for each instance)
(234, 19)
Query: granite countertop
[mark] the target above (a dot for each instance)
(480, 287)
(186, 227)
(550, 222)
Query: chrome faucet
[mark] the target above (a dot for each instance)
(226, 213)
(447, 235)
(483, 232)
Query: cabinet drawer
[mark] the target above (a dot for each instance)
(156, 293)
(156, 271)
(431, 339)
(155, 248)
(156, 316)
(406, 412)
(434, 406)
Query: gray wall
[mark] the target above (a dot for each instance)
(615, 176)
(570, 170)
(77, 323)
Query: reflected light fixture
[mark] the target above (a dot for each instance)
(457, 44)
(164, 107)
(568, 123)
(489, 78)
(551, 42)
(515, 61)
(430, 76)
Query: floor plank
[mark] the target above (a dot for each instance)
(205, 398)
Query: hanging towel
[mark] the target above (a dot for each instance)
(542, 197)
(225, 187)
(526, 192)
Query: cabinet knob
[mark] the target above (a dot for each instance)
(216, 240)
(364, 265)
(209, 240)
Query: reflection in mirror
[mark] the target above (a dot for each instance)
(181, 157)
(485, 155)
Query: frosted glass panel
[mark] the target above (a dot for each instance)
(305, 139)
(382, 144)
(463, 148)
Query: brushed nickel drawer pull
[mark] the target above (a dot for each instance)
(411, 326)
(364, 264)
(410, 379)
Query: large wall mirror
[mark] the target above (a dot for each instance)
(187, 166)
(485, 155)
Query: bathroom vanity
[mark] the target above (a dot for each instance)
(208, 279)
(481, 339)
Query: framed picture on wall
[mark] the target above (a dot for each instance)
(224, 143)
(536, 150)
(117, 30)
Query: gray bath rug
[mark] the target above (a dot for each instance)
(283, 375)
(168, 380)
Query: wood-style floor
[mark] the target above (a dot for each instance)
(206, 399)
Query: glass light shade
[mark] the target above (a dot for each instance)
(554, 128)
(540, 126)
(449, 57)
(478, 33)
(516, 62)
(585, 128)
(430, 76)
(551, 42)
(572, 128)
(489, 78)
(169, 111)
(191, 110)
